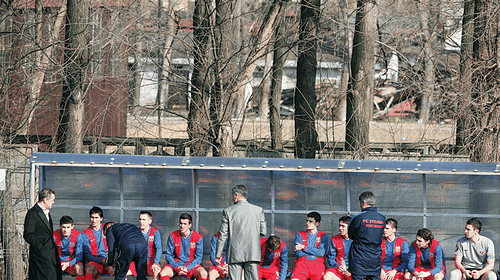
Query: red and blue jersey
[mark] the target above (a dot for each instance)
(278, 259)
(395, 254)
(315, 245)
(153, 238)
(70, 249)
(95, 247)
(430, 258)
(213, 249)
(338, 250)
(182, 251)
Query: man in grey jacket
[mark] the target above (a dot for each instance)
(241, 225)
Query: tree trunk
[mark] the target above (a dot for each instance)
(198, 118)
(361, 82)
(463, 131)
(486, 84)
(76, 59)
(266, 87)
(340, 112)
(306, 137)
(429, 70)
(276, 82)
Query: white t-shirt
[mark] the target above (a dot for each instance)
(475, 255)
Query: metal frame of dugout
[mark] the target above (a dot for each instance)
(441, 196)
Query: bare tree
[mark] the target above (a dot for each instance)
(306, 136)
(361, 81)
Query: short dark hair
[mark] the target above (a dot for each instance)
(273, 242)
(367, 197)
(146, 213)
(96, 210)
(476, 223)
(241, 190)
(106, 226)
(315, 215)
(45, 193)
(186, 216)
(65, 220)
(426, 234)
(392, 222)
(345, 219)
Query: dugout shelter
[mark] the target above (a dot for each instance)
(440, 196)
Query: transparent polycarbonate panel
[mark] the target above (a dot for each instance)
(394, 192)
(215, 187)
(155, 187)
(314, 191)
(83, 185)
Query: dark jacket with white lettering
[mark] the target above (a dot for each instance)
(366, 230)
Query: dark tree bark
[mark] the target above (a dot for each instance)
(306, 136)
(198, 118)
(76, 59)
(361, 82)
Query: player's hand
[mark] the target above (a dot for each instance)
(468, 273)
(475, 274)
(156, 268)
(391, 274)
(299, 246)
(347, 273)
(224, 268)
(111, 271)
(65, 265)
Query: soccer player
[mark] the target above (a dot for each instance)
(217, 270)
(310, 248)
(394, 253)
(338, 253)
(274, 255)
(95, 247)
(474, 254)
(426, 259)
(69, 246)
(153, 237)
(184, 252)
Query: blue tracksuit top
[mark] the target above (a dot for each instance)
(157, 245)
(213, 250)
(366, 230)
(425, 260)
(121, 235)
(268, 258)
(65, 254)
(311, 252)
(101, 251)
(332, 253)
(184, 256)
(389, 256)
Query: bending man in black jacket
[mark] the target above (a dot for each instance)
(127, 241)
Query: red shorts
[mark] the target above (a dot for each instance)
(269, 273)
(398, 276)
(428, 269)
(221, 274)
(71, 270)
(339, 274)
(101, 268)
(308, 269)
(189, 274)
(134, 271)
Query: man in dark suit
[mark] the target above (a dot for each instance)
(43, 257)
(241, 225)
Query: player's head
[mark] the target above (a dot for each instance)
(66, 224)
(424, 238)
(46, 197)
(185, 221)
(273, 243)
(96, 217)
(106, 227)
(367, 198)
(312, 221)
(475, 223)
(391, 226)
(145, 220)
(344, 224)
(239, 192)
(473, 228)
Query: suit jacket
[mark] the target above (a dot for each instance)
(43, 257)
(242, 225)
